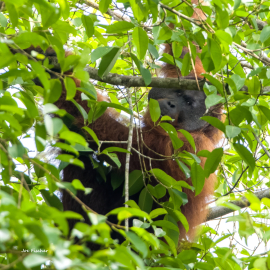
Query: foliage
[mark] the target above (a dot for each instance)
(125, 37)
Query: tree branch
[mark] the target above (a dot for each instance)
(118, 16)
(131, 81)
(220, 211)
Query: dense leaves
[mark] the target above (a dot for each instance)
(126, 37)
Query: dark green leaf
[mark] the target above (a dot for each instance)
(108, 61)
(183, 168)
(244, 153)
(51, 199)
(145, 201)
(165, 224)
(135, 182)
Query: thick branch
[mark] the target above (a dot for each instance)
(131, 81)
(185, 83)
(220, 211)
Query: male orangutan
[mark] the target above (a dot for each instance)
(185, 107)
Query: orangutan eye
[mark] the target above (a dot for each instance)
(188, 100)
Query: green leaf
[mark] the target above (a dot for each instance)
(3, 20)
(99, 52)
(265, 111)
(108, 61)
(92, 134)
(80, 109)
(29, 103)
(222, 17)
(154, 109)
(182, 219)
(140, 40)
(53, 125)
(13, 14)
(237, 3)
(183, 168)
(265, 34)
(119, 27)
(40, 137)
(77, 184)
(186, 65)
(145, 201)
(51, 199)
(165, 224)
(67, 148)
(163, 177)
(157, 212)
(73, 138)
(188, 256)
(232, 131)
(124, 213)
(33, 260)
(244, 153)
(158, 191)
(40, 72)
(36, 228)
(70, 88)
(88, 25)
(171, 244)
(71, 160)
(213, 161)
(152, 49)
(177, 49)
(104, 5)
(165, 32)
(132, 204)
(135, 182)
(115, 149)
(88, 89)
(54, 93)
(224, 37)
(146, 74)
(189, 137)
(214, 122)
(215, 82)
(215, 52)
(253, 84)
(16, 150)
(170, 129)
(138, 243)
(178, 197)
(197, 177)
